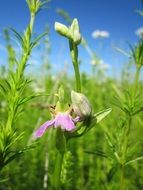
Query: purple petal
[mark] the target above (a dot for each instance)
(43, 128)
(64, 121)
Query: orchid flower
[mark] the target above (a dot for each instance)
(64, 119)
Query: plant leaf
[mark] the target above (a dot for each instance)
(102, 114)
(18, 36)
(26, 99)
(35, 42)
(122, 51)
(97, 152)
(132, 161)
(4, 180)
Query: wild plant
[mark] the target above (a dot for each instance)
(128, 99)
(74, 120)
(13, 87)
(131, 104)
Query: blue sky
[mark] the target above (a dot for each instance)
(118, 17)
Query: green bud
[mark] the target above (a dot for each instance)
(75, 32)
(62, 29)
(72, 33)
(80, 104)
(34, 5)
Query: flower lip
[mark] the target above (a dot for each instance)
(63, 120)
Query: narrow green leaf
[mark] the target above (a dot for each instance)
(112, 172)
(139, 12)
(97, 152)
(26, 99)
(122, 51)
(3, 90)
(65, 15)
(102, 114)
(11, 158)
(35, 42)
(17, 35)
(8, 84)
(4, 180)
(132, 161)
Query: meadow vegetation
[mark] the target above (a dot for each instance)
(103, 152)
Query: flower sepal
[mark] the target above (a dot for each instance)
(88, 123)
(74, 28)
(81, 105)
(62, 30)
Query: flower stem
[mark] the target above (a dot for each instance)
(57, 171)
(74, 56)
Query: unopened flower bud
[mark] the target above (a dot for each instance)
(62, 29)
(77, 38)
(75, 32)
(80, 104)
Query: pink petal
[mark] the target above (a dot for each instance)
(64, 121)
(43, 128)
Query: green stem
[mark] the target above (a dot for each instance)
(122, 179)
(27, 50)
(125, 148)
(32, 20)
(136, 80)
(127, 132)
(57, 171)
(74, 56)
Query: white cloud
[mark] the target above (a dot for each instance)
(100, 34)
(101, 64)
(139, 32)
